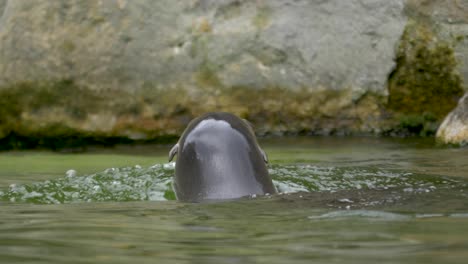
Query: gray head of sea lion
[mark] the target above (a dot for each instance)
(218, 157)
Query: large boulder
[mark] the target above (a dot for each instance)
(129, 45)
(142, 69)
(454, 128)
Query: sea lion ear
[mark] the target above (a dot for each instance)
(264, 155)
(173, 151)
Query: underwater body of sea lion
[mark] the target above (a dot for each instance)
(218, 157)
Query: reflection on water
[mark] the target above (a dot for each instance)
(343, 200)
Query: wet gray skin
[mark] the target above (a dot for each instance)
(218, 157)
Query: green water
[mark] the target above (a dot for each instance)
(343, 200)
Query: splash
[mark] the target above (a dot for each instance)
(293, 178)
(113, 184)
(154, 183)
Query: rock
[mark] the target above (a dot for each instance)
(2, 6)
(143, 69)
(454, 128)
(126, 45)
(432, 63)
(449, 20)
(148, 67)
(426, 84)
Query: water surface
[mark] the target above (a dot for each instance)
(343, 200)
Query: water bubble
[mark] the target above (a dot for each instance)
(32, 195)
(169, 166)
(70, 173)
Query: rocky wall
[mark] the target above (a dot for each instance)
(141, 69)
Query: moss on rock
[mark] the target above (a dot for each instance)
(425, 85)
(279, 111)
(61, 114)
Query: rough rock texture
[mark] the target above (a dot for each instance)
(147, 67)
(126, 45)
(142, 69)
(449, 20)
(432, 63)
(454, 129)
(425, 85)
(2, 6)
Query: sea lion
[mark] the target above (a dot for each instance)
(218, 157)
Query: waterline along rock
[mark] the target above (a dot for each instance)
(140, 70)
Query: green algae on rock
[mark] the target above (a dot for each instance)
(61, 114)
(425, 84)
(64, 115)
